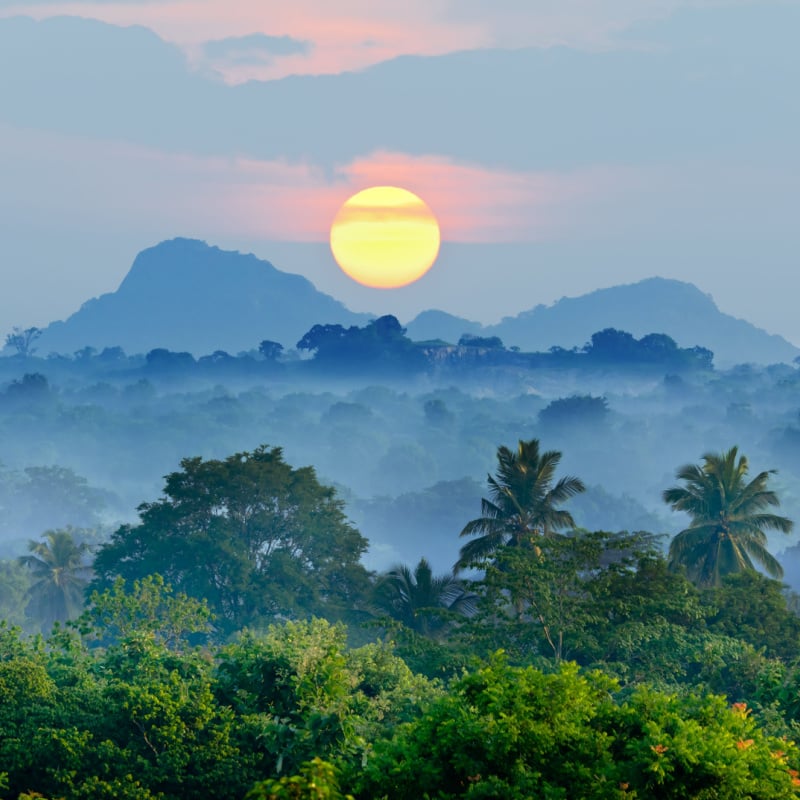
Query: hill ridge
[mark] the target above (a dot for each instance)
(184, 294)
(652, 305)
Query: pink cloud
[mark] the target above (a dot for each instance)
(130, 187)
(353, 34)
(347, 35)
(472, 204)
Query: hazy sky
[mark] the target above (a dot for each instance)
(564, 145)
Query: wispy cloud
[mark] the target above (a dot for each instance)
(255, 48)
(340, 30)
(116, 184)
(532, 110)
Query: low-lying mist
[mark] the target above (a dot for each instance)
(87, 439)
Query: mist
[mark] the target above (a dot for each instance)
(407, 444)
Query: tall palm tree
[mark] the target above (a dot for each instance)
(414, 598)
(522, 502)
(729, 518)
(59, 574)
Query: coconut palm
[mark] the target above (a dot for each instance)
(418, 598)
(729, 518)
(59, 577)
(522, 502)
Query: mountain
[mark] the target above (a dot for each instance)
(440, 325)
(184, 295)
(655, 305)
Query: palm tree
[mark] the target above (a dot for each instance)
(523, 502)
(59, 577)
(729, 518)
(417, 598)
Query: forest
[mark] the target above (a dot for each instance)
(464, 572)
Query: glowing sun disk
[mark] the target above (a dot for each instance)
(385, 237)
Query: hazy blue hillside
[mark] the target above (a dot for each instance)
(440, 325)
(185, 295)
(655, 305)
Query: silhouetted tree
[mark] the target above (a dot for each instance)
(487, 342)
(270, 350)
(381, 344)
(22, 340)
(576, 409)
(167, 360)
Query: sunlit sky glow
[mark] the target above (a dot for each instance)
(625, 139)
(385, 237)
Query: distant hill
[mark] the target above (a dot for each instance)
(655, 305)
(440, 325)
(184, 295)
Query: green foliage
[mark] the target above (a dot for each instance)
(293, 687)
(523, 503)
(299, 694)
(753, 608)
(729, 517)
(150, 607)
(15, 580)
(560, 598)
(58, 577)
(519, 733)
(250, 534)
(315, 781)
(425, 603)
(136, 721)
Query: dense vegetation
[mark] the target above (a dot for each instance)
(569, 664)
(237, 638)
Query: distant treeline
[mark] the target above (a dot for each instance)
(382, 347)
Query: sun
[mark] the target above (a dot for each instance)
(385, 237)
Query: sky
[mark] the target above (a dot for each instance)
(564, 145)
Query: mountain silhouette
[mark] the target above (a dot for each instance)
(440, 325)
(654, 305)
(184, 295)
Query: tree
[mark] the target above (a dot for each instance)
(575, 410)
(381, 344)
(729, 517)
(518, 733)
(485, 342)
(613, 345)
(254, 536)
(164, 360)
(316, 780)
(270, 350)
(418, 598)
(149, 607)
(523, 502)
(22, 340)
(14, 583)
(32, 388)
(59, 576)
(753, 608)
